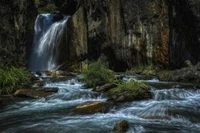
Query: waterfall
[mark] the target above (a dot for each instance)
(47, 38)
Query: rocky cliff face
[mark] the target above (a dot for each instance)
(128, 33)
(77, 40)
(16, 30)
(138, 32)
(122, 33)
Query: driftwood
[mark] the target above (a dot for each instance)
(71, 62)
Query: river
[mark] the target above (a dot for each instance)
(173, 109)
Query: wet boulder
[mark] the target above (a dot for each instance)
(187, 74)
(34, 93)
(91, 108)
(121, 127)
(105, 87)
(124, 97)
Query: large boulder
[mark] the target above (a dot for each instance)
(121, 127)
(187, 74)
(91, 108)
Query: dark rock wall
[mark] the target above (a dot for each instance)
(17, 21)
(122, 33)
(128, 33)
(77, 40)
(184, 24)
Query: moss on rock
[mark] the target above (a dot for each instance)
(130, 91)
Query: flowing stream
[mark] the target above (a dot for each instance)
(172, 110)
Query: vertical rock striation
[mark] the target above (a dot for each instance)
(77, 40)
(128, 33)
(16, 33)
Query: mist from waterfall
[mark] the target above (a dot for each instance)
(47, 38)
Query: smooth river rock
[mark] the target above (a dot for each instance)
(121, 127)
(91, 108)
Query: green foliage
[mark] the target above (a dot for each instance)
(49, 8)
(97, 74)
(137, 89)
(13, 78)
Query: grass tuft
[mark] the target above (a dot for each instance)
(137, 89)
(97, 74)
(12, 78)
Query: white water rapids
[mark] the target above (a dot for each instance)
(172, 110)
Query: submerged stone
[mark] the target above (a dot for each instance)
(121, 127)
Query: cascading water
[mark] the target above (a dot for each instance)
(47, 38)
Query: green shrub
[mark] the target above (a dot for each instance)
(137, 89)
(97, 74)
(13, 78)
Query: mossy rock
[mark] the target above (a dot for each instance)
(121, 127)
(130, 91)
(91, 108)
